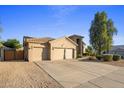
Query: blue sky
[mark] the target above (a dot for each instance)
(56, 21)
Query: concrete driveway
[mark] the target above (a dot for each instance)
(84, 74)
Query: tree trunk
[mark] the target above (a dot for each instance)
(99, 51)
(107, 51)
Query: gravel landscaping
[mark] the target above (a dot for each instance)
(115, 63)
(24, 75)
(119, 63)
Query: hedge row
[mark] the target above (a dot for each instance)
(116, 57)
(108, 57)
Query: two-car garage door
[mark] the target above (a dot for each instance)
(60, 54)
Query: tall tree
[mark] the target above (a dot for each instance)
(111, 31)
(101, 32)
(98, 32)
(89, 50)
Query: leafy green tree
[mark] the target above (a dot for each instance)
(98, 32)
(101, 32)
(111, 31)
(12, 43)
(89, 50)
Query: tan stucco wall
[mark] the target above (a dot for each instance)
(61, 43)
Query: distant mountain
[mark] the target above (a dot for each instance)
(115, 47)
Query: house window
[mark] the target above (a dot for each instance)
(78, 41)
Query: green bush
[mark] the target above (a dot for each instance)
(122, 57)
(93, 54)
(116, 57)
(107, 57)
(86, 54)
(99, 57)
(79, 56)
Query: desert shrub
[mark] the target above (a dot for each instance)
(107, 57)
(99, 57)
(116, 57)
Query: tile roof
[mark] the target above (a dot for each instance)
(76, 36)
(39, 40)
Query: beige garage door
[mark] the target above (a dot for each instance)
(58, 54)
(69, 53)
(37, 54)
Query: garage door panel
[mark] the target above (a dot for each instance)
(58, 54)
(36, 55)
(69, 53)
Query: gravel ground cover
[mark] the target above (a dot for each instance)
(24, 75)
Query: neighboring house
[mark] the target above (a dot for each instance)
(118, 49)
(37, 49)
